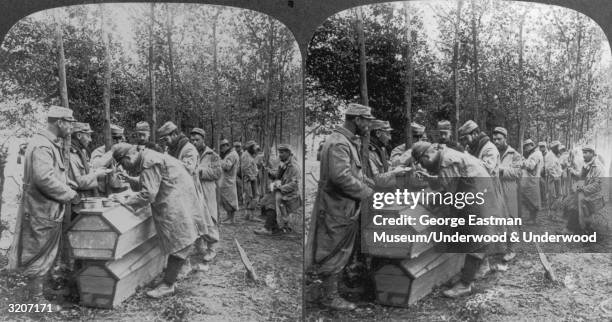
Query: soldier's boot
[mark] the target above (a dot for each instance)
(35, 296)
(161, 290)
(331, 297)
(210, 253)
(185, 269)
(458, 290)
(230, 218)
(483, 269)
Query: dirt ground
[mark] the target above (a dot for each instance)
(522, 293)
(219, 292)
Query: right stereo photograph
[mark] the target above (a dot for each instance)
(457, 164)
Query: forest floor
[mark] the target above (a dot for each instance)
(522, 293)
(220, 291)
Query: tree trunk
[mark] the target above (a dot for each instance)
(169, 24)
(152, 76)
(363, 81)
(107, 81)
(522, 118)
(217, 108)
(576, 79)
(269, 77)
(475, 67)
(456, 68)
(409, 78)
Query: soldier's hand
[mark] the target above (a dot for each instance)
(101, 172)
(74, 197)
(401, 169)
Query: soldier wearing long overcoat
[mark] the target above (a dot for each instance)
(335, 217)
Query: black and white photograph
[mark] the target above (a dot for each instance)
(151, 165)
(458, 97)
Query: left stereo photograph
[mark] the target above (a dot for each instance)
(151, 162)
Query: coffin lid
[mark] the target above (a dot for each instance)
(118, 218)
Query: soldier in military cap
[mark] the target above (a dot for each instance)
(591, 193)
(143, 135)
(249, 172)
(564, 161)
(285, 198)
(165, 184)
(208, 172)
(380, 137)
(378, 171)
(239, 190)
(445, 135)
(46, 192)
(113, 182)
(509, 176)
(399, 155)
(530, 181)
(335, 217)
(227, 183)
(478, 144)
(551, 174)
(80, 172)
(449, 170)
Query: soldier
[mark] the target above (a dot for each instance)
(239, 191)
(112, 183)
(530, 181)
(165, 184)
(179, 147)
(46, 192)
(564, 161)
(227, 183)
(117, 136)
(143, 135)
(208, 172)
(286, 191)
(249, 179)
(453, 172)
(445, 135)
(592, 196)
(380, 137)
(399, 155)
(509, 175)
(551, 173)
(479, 144)
(80, 172)
(378, 158)
(342, 187)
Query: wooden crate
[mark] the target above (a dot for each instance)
(394, 250)
(109, 233)
(105, 284)
(404, 282)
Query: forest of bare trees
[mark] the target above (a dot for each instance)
(540, 71)
(235, 73)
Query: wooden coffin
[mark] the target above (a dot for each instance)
(394, 250)
(109, 233)
(106, 284)
(404, 282)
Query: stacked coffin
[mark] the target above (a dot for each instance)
(407, 272)
(119, 252)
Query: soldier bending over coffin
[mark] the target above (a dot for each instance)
(165, 184)
(453, 172)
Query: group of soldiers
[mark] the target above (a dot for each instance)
(184, 181)
(516, 186)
